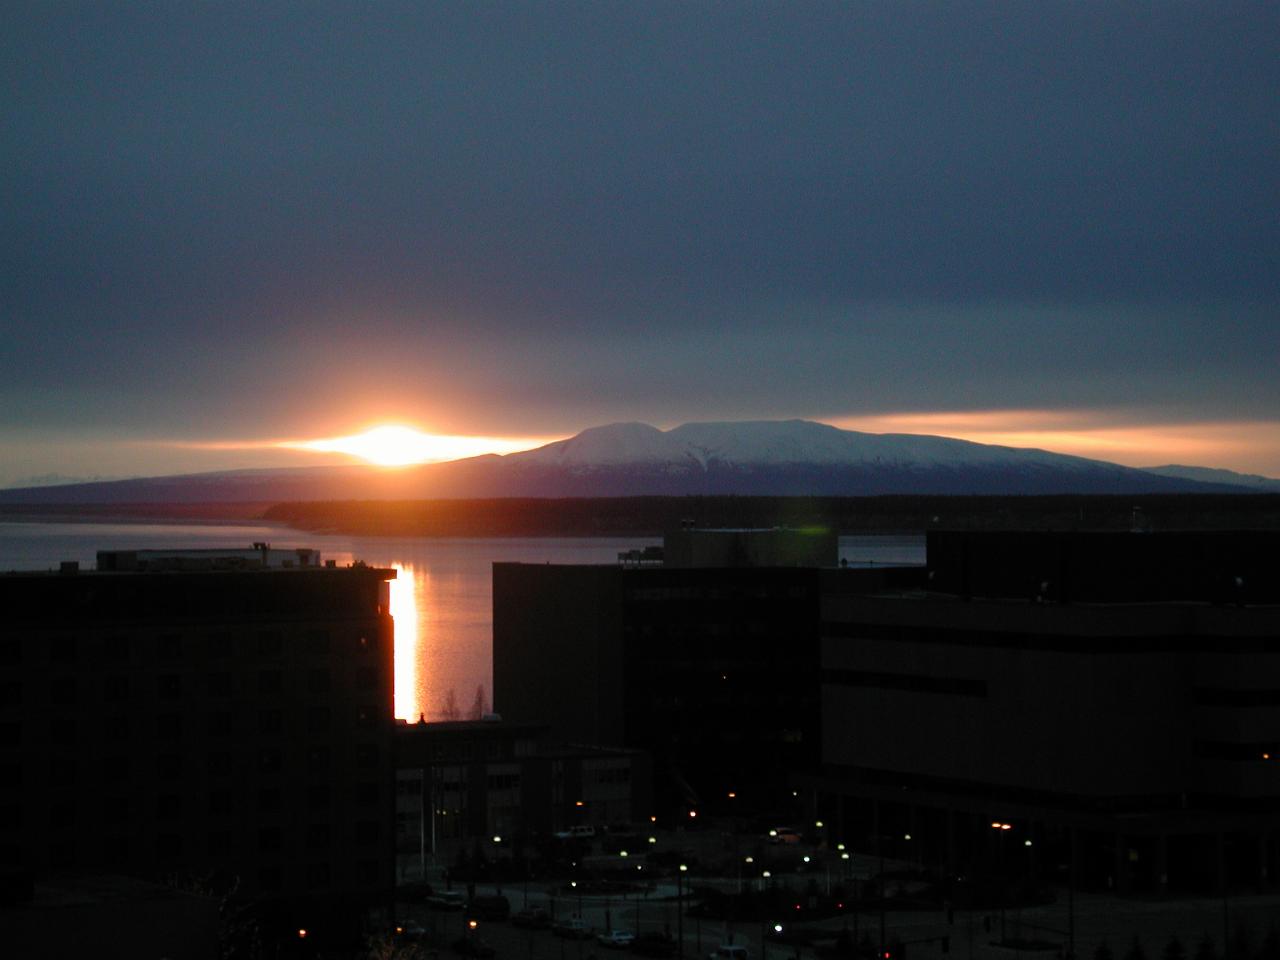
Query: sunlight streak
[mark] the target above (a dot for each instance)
(404, 611)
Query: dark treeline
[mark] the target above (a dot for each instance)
(650, 516)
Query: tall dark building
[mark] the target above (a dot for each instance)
(713, 670)
(182, 719)
(1106, 705)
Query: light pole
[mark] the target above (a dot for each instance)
(680, 910)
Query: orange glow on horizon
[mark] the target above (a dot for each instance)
(400, 446)
(1246, 446)
(404, 612)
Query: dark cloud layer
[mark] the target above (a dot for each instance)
(549, 214)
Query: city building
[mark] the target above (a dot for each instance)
(1096, 706)
(219, 718)
(713, 671)
(460, 785)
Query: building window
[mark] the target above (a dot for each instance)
(220, 802)
(269, 644)
(366, 678)
(219, 684)
(318, 759)
(221, 723)
(319, 836)
(169, 766)
(269, 839)
(366, 793)
(63, 649)
(168, 806)
(220, 763)
(318, 719)
(317, 875)
(169, 726)
(169, 686)
(366, 831)
(270, 681)
(269, 722)
(63, 729)
(169, 647)
(219, 645)
(269, 879)
(318, 643)
(269, 798)
(115, 810)
(366, 755)
(115, 769)
(269, 760)
(221, 842)
(116, 688)
(318, 796)
(318, 680)
(169, 846)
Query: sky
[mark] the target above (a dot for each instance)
(230, 226)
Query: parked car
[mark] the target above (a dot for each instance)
(581, 831)
(617, 939)
(472, 946)
(729, 951)
(535, 918)
(783, 835)
(446, 900)
(573, 928)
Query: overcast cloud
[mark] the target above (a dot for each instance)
(268, 220)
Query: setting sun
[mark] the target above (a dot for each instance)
(398, 446)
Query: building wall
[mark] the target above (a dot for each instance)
(713, 671)
(557, 649)
(1138, 743)
(218, 725)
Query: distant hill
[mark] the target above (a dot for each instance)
(760, 458)
(1249, 481)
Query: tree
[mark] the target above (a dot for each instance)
(451, 711)
(1174, 950)
(478, 708)
(1102, 952)
(1135, 951)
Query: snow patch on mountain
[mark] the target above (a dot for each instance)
(782, 443)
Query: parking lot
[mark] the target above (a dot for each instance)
(652, 909)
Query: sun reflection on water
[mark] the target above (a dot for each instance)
(404, 611)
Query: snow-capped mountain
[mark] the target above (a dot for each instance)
(802, 458)
(763, 458)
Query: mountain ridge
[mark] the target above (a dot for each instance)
(764, 457)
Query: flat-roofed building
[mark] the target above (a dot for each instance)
(462, 783)
(1108, 703)
(231, 726)
(712, 670)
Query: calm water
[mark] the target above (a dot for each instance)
(442, 599)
